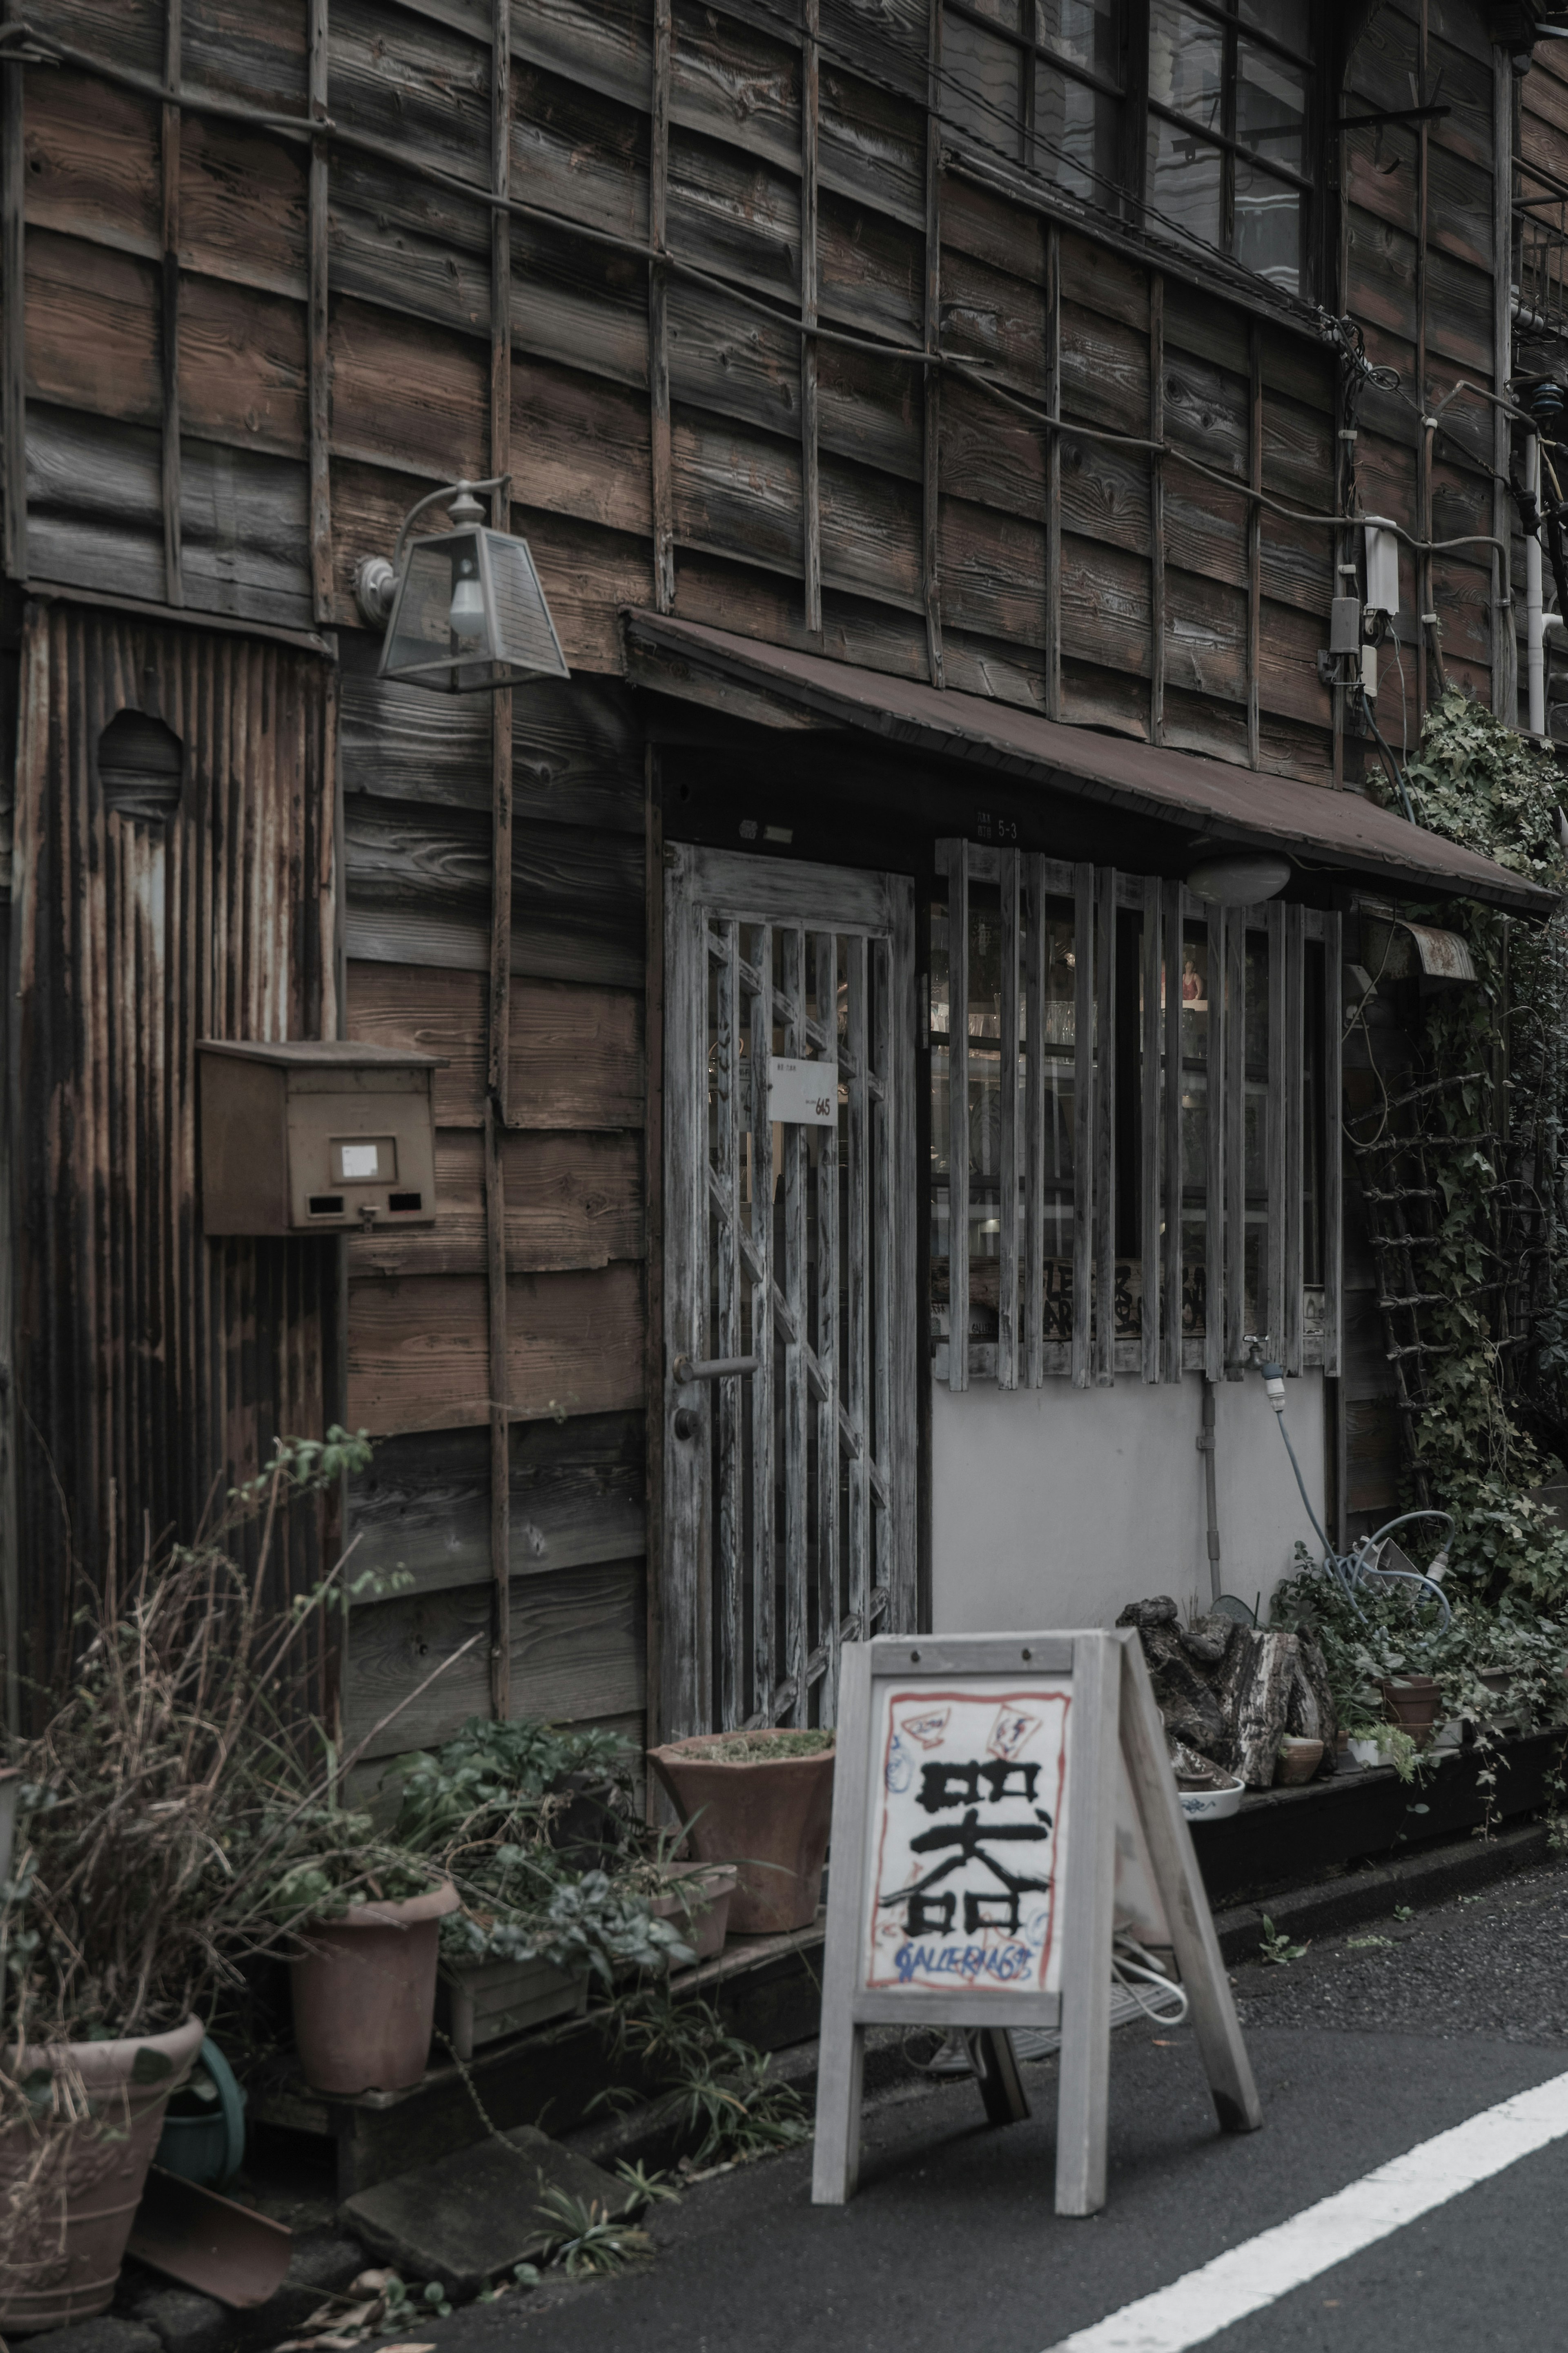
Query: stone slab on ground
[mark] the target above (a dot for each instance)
(471, 2216)
(109, 2334)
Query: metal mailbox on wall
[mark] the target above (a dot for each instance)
(316, 1136)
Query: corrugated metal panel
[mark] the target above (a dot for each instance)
(155, 1367)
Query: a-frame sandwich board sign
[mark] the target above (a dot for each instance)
(990, 1790)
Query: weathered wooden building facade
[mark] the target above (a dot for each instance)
(941, 429)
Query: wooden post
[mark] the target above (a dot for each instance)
(1171, 1327)
(1254, 536)
(657, 329)
(1275, 1157)
(320, 316)
(957, 858)
(829, 1608)
(1054, 473)
(1294, 1177)
(1151, 968)
(683, 1675)
(856, 1274)
(500, 892)
(810, 484)
(1007, 1309)
(1232, 1096)
(1505, 651)
(931, 391)
(169, 324)
(1156, 522)
(730, 1481)
(653, 1239)
(840, 2069)
(14, 321)
(763, 1567)
(1083, 1129)
(1088, 1905)
(1214, 1156)
(1333, 1147)
(1103, 1338)
(793, 1482)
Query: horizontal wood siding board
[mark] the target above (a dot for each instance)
(422, 1509)
(572, 1200)
(576, 1054)
(578, 1651)
(417, 1348)
(577, 755)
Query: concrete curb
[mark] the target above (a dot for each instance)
(1420, 1879)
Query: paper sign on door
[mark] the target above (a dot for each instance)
(801, 1093)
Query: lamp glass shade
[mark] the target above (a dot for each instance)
(1242, 881)
(470, 614)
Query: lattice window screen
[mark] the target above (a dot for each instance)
(1134, 1125)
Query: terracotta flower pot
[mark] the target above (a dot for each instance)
(364, 1993)
(1411, 1701)
(1298, 1761)
(701, 1909)
(770, 1816)
(60, 2257)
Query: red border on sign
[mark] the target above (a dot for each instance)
(871, 1982)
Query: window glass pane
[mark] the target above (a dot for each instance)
(1075, 134)
(1186, 55)
(1267, 225)
(1271, 107)
(1184, 180)
(1257, 1046)
(1083, 30)
(1290, 21)
(981, 83)
(1194, 994)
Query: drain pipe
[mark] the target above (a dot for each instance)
(1206, 1445)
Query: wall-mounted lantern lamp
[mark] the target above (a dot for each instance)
(1239, 882)
(465, 612)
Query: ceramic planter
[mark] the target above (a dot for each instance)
(1212, 1805)
(482, 2002)
(60, 2259)
(204, 2139)
(701, 1911)
(1411, 1701)
(770, 1816)
(364, 1993)
(1298, 1761)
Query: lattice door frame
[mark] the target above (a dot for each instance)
(761, 1580)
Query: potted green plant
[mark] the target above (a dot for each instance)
(763, 1801)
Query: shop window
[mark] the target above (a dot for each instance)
(1142, 1181)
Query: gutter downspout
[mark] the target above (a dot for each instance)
(1206, 1446)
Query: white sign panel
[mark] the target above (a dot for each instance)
(967, 1845)
(802, 1094)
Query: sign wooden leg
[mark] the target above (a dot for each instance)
(996, 2065)
(840, 2065)
(840, 2072)
(1087, 1911)
(1175, 1863)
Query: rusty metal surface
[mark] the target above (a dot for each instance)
(209, 2242)
(1230, 805)
(154, 1368)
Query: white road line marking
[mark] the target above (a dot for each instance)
(1196, 2307)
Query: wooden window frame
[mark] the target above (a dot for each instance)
(1095, 1355)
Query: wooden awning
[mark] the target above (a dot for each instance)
(1230, 806)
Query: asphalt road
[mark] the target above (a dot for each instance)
(1362, 2052)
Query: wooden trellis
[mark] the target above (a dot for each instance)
(789, 1287)
(1024, 1352)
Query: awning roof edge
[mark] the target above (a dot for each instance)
(1229, 806)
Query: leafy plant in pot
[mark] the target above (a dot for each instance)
(150, 1837)
(763, 1801)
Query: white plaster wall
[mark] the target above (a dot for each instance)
(1054, 1506)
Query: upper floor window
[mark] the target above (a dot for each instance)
(1228, 158)
(1041, 81)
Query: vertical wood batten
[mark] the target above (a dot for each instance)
(955, 855)
(907, 1343)
(1082, 1120)
(856, 1249)
(1294, 1168)
(1103, 1330)
(764, 1563)
(796, 1501)
(825, 977)
(320, 491)
(730, 1527)
(1254, 534)
(13, 315)
(1505, 678)
(1171, 1253)
(169, 317)
(810, 468)
(500, 1019)
(1053, 474)
(1156, 532)
(1214, 1153)
(884, 1107)
(1007, 1294)
(1032, 1291)
(1233, 1096)
(1150, 968)
(1274, 1153)
(655, 1375)
(659, 458)
(931, 520)
(1333, 1147)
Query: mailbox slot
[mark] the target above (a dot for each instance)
(314, 1136)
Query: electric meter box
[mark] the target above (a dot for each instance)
(316, 1136)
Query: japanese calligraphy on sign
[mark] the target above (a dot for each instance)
(967, 1836)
